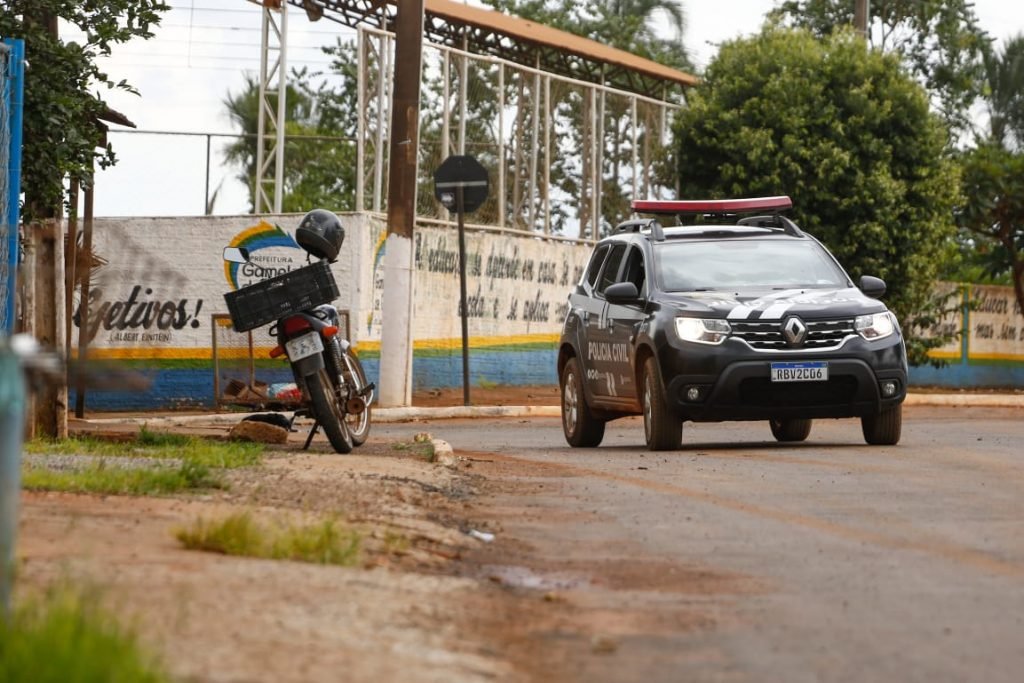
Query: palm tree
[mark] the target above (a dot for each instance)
(1004, 71)
(649, 11)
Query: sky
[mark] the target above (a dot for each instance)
(203, 48)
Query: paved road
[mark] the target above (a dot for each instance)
(824, 561)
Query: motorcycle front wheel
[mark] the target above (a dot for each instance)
(329, 412)
(355, 378)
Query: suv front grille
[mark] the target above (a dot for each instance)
(767, 335)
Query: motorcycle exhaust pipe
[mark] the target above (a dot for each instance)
(355, 405)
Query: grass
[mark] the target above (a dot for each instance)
(421, 449)
(66, 637)
(201, 460)
(323, 542)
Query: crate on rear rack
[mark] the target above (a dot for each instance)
(297, 290)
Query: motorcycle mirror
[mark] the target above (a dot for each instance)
(236, 254)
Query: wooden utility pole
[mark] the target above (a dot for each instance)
(861, 11)
(396, 329)
(44, 314)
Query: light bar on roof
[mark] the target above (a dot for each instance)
(702, 206)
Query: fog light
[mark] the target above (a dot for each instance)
(889, 389)
(693, 394)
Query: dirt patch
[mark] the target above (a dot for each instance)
(219, 618)
(542, 395)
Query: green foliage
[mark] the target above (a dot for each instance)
(940, 41)
(60, 132)
(324, 542)
(320, 129)
(992, 212)
(69, 638)
(848, 135)
(1004, 93)
(120, 472)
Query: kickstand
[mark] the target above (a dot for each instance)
(312, 433)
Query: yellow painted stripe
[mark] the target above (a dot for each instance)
(199, 353)
(996, 356)
(946, 355)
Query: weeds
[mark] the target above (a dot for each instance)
(66, 637)
(324, 542)
(122, 467)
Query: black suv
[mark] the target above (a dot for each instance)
(736, 317)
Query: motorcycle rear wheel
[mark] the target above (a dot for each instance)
(329, 412)
(355, 378)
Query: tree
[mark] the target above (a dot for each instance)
(843, 131)
(993, 212)
(61, 112)
(1004, 93)
(940, 41)
(320, 123)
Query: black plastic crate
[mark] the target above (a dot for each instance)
(269, 300)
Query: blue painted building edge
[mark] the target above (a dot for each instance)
(192, 388)
(969, 376)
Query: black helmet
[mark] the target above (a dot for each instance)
(320, 233)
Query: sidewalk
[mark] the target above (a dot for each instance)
(414, 413)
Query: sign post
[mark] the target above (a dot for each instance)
(461, 185)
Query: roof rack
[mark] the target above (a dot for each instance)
(641, 224)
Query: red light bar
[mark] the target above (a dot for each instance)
(673, 207)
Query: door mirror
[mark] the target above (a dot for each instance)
(236, 254)
(872, 286)
(621, 293)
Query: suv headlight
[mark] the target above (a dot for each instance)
(702, 331)
(875, 326)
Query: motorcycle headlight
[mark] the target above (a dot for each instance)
(710, 331)
(875, 326)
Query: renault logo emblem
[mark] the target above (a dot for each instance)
(794, 330)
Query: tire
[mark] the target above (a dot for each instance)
(884, 428)
(328, 411)
(581, 428)
(663, 429)
(795, 429)
(355, 378)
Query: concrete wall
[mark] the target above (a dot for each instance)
(159, 282)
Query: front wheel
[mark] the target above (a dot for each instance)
(355, 378)
(663, 429)
(884, 428)
(328, 411)
(581, 428)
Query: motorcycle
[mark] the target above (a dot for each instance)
(333, 385)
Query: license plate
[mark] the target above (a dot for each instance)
(304, 346)
(816, 371)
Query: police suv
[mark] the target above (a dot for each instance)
(739, 315)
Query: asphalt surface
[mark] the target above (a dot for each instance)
(847, 562)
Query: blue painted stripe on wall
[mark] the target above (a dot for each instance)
(178, 388)
(969, 376)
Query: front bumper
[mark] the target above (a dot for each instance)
(735, 382)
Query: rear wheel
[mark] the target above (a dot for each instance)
(883, 429)
(327, 408)
(790, 430)
(663, 429)
(581, 428)
(355, 378)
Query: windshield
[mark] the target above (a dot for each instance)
(745, 264)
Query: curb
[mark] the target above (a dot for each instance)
(412, 414)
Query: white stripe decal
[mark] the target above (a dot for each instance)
(740, 311)
(775, 311)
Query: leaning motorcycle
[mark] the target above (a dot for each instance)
(334, 389)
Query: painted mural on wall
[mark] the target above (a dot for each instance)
(516, 287)
(996, 324)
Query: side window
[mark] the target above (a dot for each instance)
(609, 275)
(634, 271)
(595, 265)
